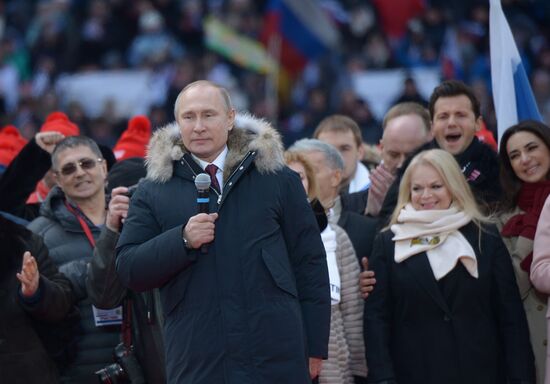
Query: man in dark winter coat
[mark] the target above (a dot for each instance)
(244, 289)
(104, 287)
(456, 117)
(33, 295)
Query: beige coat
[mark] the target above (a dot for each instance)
(540, 269)
(346, 349)
(533, 302)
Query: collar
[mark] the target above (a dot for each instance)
(361, 179)
(218, 161)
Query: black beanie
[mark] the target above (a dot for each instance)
(126, 173)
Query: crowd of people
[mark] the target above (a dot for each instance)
(418, 254)
(43, 41)
(425, 264)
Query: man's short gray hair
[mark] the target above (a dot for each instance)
(73, 142)
(333, 158)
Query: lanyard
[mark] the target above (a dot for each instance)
(83, 224)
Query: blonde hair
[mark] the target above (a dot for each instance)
(447, 167)
(297, 157)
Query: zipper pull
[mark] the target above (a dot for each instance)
(219, 199)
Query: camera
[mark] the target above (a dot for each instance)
(126, 369)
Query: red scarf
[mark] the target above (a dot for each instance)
(531, 199)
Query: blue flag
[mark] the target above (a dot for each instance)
(512, 94)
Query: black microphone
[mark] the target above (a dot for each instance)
(202, 182)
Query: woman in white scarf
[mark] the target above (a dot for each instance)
(445, 308)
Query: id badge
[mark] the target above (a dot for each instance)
(103, 317)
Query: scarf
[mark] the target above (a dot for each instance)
(329, 241)
(531, 198)
(436, 233)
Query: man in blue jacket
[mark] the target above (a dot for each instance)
(253, 305)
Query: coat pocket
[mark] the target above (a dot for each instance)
(281, 274)
(174, 291)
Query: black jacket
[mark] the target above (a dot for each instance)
(106, 291)
(20, 178)
(23, 357)
(458, 330)
(71, 251)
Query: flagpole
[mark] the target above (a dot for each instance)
(272, 78)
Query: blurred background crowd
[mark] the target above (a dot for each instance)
(58, 54)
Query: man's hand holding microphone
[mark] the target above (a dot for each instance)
(199, 230)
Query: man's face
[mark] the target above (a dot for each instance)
(327, 179)
(87, 180)
(204, 121)
(454, 124)
(345, 143)
(402, 136)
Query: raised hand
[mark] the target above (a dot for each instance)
(118, 208)
(29, 275)
(381, 180)
(48, 140)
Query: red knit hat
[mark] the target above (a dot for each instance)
(11, 142)
(487, 137)
(133, 141)
(59, 122)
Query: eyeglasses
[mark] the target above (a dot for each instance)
(85, 163)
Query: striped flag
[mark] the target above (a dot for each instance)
(304, 30)
(512, 94)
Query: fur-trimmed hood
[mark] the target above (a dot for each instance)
(248, 134)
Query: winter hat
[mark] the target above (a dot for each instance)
(133, 141)
(487, 137)
(126, 173)
(59, 122)
(11, 142)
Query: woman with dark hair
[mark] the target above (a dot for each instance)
(524, 176)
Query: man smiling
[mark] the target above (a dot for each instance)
(455, 119)
(70, 223)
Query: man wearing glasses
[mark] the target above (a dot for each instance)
(70, 223)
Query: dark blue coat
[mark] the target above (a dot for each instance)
(257, 304)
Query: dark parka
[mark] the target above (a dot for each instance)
(458, 330)
(71, 251)
(257, 304)
(23, 357)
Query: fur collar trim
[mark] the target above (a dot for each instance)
(248, 134)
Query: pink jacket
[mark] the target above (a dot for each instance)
(540, 269)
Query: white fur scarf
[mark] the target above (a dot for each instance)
(436, 233)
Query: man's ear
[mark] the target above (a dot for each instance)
(361, 151)
(231, 115)
(479, 123)
(336, 178)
